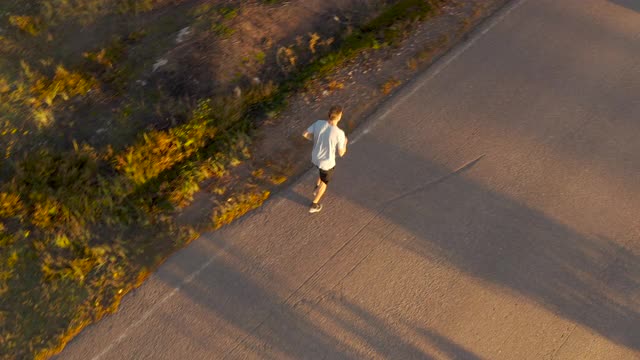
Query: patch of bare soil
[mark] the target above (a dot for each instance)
(280, 152)
(253, 45)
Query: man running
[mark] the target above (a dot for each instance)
(327, 139)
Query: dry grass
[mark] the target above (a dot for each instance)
(335, 85)
(389, 85)
(238, 205)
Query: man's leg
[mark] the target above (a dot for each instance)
(321, 189)
(315, 190)
(323, 180)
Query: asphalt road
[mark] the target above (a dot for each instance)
(490, 210)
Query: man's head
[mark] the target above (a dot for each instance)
(335, 113)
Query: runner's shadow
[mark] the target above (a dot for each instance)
(295, 197)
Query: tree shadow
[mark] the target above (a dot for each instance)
(591, 280)
(445, 345)
(264, 324)
(629, 4)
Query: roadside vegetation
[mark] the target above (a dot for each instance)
(96, 165)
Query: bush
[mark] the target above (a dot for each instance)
(64, 84)
(237, 206)
(161, 150)
(29, 24)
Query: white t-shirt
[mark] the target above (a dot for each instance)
(327, 139)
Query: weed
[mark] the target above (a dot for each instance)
(136, 6)
(335, 85)
(228, 13)
(401, 11)
(215, 18)
(29, 24)
(412, 64)
(109, 65)
(10, 205)
(237, 206)
(182, 188)
(477, 12)
(43, 117)
(313, 41)
(286, 58)
(65, 84)
(222, 30)
(11, 136)
(260, 57)
(466, 24)
(161, 150)
(389, 85)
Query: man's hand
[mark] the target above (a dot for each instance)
(307, 135)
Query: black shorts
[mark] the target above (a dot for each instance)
(326, 175)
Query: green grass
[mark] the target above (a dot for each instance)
(216, 18)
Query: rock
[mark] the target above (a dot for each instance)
(159, 63)
(183, 34)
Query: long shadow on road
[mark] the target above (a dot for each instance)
(239, 304)
(590, 280)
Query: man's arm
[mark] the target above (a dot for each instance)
(308, 134)
(343, 150)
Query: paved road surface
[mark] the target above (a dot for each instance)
(491, 211)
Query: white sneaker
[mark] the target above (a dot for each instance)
(315, 208)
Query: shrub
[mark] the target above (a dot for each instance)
(389, 85)
(161, 150)
(237, 206)
(64, 84)
(67, 191)
(10, 205)
(29, 24)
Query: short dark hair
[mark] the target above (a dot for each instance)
(335, 111)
